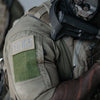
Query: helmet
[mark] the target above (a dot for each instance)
(65, 14)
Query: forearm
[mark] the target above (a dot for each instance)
(78, 89)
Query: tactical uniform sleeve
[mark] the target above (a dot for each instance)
(29, 57)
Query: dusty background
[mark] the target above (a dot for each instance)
(27, 4)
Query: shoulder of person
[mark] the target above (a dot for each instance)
(36, 20)
(41, 12)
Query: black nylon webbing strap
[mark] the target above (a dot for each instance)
(83, 29)
(56, 25)
(80, 25)
(73, 32)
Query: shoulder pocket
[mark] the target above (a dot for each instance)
(24, 59)
(30, 74)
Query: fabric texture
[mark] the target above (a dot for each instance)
(27, 68)
(50, 63)
(48, 71)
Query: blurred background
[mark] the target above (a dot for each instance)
(27, 4)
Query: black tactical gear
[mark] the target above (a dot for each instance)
(68, 19)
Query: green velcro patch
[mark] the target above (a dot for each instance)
(25, 66)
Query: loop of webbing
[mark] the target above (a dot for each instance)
(44, 8)
(39, 13)
(47, 5)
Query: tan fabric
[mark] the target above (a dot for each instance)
(47, 5)
(7, 97)
(66, 54)
(80, 58)
(35, 87)
(41, 12)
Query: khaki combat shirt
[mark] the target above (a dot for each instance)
(36, 64)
